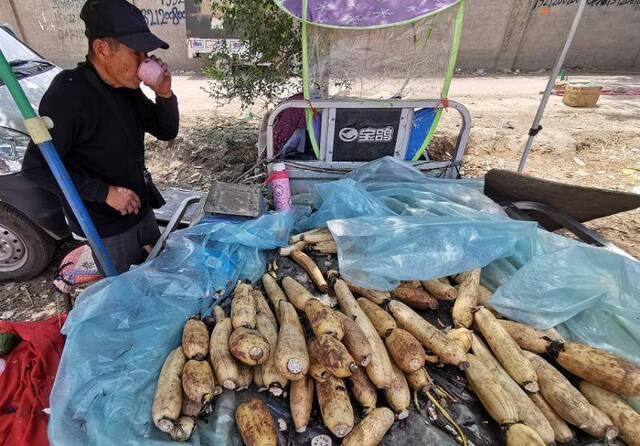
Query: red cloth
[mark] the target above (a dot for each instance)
(27, 380)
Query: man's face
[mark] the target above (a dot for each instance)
(122, 63)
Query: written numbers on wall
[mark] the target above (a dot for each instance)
(64, 16)
(167, 12)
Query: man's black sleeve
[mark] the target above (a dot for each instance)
(66, 112)
(161, 119)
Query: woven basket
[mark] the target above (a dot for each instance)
(576, 95)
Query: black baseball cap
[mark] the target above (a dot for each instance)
(122, 21)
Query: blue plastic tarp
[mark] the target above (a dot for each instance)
(122, 329)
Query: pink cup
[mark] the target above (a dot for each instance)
(150, 72)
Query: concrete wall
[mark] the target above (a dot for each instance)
(529, 34)
(498, 34)
(54, 29)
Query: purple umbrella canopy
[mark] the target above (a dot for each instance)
(363, 13)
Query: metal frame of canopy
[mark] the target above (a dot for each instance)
(301, 11)
(536, 127)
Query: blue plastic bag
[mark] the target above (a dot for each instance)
(122, 329)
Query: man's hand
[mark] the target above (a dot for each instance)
(123, 200)
(163, 89)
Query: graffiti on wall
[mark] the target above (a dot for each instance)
(63, 17)
(166, 12)
(594, 3)
(66, 20)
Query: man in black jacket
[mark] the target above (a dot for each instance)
(100, 117)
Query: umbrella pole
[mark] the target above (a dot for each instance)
(536, 127)
(40, 135)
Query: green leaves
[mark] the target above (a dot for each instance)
(268, 66)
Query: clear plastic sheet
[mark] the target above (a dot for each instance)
(590, 294)
(379, 252)
(122, 329)
(408, 60)
(392, 224)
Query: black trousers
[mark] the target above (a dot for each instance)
(126, 249)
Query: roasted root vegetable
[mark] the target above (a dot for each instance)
(191, 408)
(245, 376)
(333, 355)
(317, 370)
(287, 250)
(312, 269)
(419, 380)
(262, 306)
(522, 435)
(355, 340)
(528, 412)
(527, 337)
(292, 358)
(377, 297)
(258, 379)
(440, 289)
(273, 290)
(326, 247)
(379, 368)
(600, 367)
(413, 294)
(363, 390)
(381, 320)
(462, 337)
(467, 300)
(249, 346)
(224, 366)
(371, 429)
(506, 350)
(198, 382)
(255, 424)
(405, 350)
(323, 319)
(243, 307)
(429, 336)
(195, 340)
(624, 417)
(561, 430)
(168, 399)
(335, 406)
(183, 429)
(569, 403)
(300, 237)
(484, 295)
(398, 394)
(491, 394)
(318, 237)
(301, 402)
(270, 377)
(297, 294)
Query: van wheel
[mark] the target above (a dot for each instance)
(25, 249)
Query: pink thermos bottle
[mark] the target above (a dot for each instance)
(279, 180)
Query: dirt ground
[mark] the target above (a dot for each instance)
(591, 147)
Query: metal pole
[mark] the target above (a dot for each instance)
(536, 127)
(40, 135)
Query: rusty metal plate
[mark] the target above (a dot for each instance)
(233, 199)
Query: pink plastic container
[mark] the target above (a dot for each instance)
(150, 72)
(279, 180)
